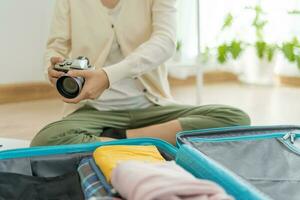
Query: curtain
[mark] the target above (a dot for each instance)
(187, 28)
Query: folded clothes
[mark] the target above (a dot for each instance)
(107, 157)
(90, 183)
(21, 187)
(102, 178)
(163, 181)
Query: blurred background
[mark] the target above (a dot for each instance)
(242, 53)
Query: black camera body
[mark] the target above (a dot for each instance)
(70, 87)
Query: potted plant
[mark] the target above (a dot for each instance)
(261, 56)
(288, 65)
(226, 55)
(229, 54)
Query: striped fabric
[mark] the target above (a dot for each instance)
(92, 187)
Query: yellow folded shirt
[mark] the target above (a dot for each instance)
(107, 157)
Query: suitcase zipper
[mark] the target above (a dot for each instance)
(185, 137)
(243, 138)
(290, 136)
(288, 139)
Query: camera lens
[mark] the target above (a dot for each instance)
(69, 87)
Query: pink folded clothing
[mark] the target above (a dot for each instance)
(165, 181)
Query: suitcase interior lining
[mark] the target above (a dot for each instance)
(275, 172)
(51, 166)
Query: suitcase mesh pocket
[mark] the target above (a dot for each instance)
(265, 163)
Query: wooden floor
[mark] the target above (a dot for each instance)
(265, 105)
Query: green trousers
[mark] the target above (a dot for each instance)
(86, 124)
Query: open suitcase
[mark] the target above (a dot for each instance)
(255, 163)
(268, 158)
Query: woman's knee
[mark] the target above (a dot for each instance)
(61, 133)
(46, 136)
(243, 119)
(234, 116)
(223, 115)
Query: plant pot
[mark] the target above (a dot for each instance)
(287, 72)
(286, 68)
(232, 66)
(258, 71)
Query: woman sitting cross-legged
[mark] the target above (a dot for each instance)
(127, 95)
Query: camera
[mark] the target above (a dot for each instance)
(70, 87)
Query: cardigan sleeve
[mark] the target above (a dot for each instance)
(59, 41)
(154, 52)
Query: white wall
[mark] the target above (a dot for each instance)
(24, 27)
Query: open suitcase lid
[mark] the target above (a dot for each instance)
(203, 165)
(186, 137)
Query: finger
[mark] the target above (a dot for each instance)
(53, 81)
(84, 94)
(55, 60)
(75, 100)
(54, 73)
(79, 73)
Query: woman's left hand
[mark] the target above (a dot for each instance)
(96, 81)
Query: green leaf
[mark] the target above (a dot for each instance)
(259, 22)
(259, 26)
(258, 9)
(270, 52)
(298, 61)
(260, 48)
(288, 51)
(222, 53)
(235, 49)
(228, 21)
(294, 12)
(295, 41)
(178, 45)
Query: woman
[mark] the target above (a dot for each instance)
(128, 95)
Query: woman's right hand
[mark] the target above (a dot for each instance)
(53, 75)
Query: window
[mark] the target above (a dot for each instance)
(281, 25)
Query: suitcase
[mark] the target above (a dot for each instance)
(195, 152)
(268, 158)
